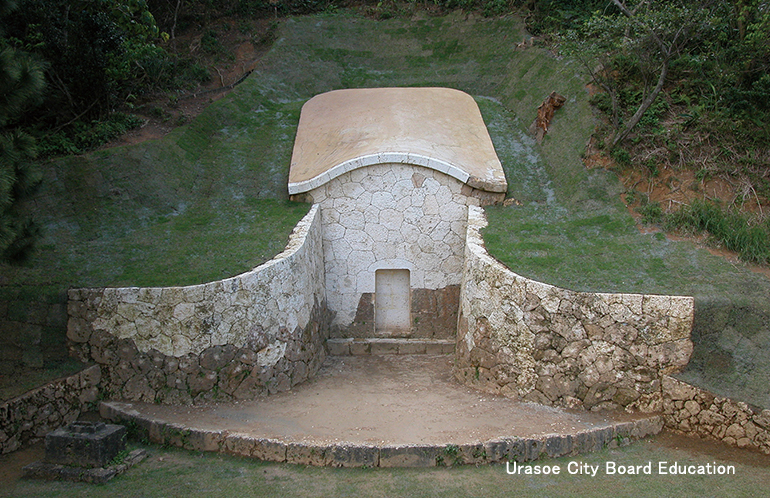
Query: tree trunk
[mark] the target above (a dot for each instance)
(646, 103)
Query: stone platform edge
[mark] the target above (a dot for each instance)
(346, 454)
(379, 346)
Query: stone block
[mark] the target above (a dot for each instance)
(269, 450)
(439, 347)
(338, 347)
(306, 454)
(239, 444)
(411, 456)
(384, 347)
(360, 348)
(559, 445)
(411, 347)
(203, 440)
(497, 450)
(85, 444)
(352, 456)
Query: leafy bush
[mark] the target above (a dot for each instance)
(651, 212)
(83, 137)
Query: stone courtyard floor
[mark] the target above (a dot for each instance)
(389, 410)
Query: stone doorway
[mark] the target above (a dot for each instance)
(392, 303)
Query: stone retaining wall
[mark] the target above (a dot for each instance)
(526, 339)
(259, 332)
(28, 418)
(697, 412)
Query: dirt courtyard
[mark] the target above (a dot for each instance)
(380, 400)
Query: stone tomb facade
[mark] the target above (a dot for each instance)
(390, 249)
(394, 171)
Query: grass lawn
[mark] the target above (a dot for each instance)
(170, 472)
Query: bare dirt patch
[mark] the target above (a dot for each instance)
(387, 399)
(238, 50)
(673, 188)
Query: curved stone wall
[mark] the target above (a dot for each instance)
(262, 331)
(523, 338)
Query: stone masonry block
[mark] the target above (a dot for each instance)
(306, 454)
(85, 444)
(269, 450)
(410, 456)
(384, 347)
(339, 347)
(352, 456)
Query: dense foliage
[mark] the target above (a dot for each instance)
(21, 87)
(98, 52)
(684, 85)
(714, 59)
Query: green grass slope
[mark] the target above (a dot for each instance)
(209, 200)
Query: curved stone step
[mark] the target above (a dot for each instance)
(386, 411)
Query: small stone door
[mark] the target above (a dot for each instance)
(391, 303)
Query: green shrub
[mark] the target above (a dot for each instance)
(732, 230)
(83, 137)
(651, 212)
(621, 156)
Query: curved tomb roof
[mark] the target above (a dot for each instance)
(439, 128)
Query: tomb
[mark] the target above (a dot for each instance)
(393, 171)
(388, 260)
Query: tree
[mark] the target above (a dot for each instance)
(634, 41)
(98, 52)
(21, 86)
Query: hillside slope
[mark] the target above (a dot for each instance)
(209, 199)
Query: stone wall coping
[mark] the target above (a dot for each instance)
(296, 240)
(357, 454)
(268, 303)
(475, 242)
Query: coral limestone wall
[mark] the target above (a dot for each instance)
(389, 216)
(28, 418)
(527, 339)
(697, 412)
(262, 331)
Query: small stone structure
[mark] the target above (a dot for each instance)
(85, 444)
(92, 452)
